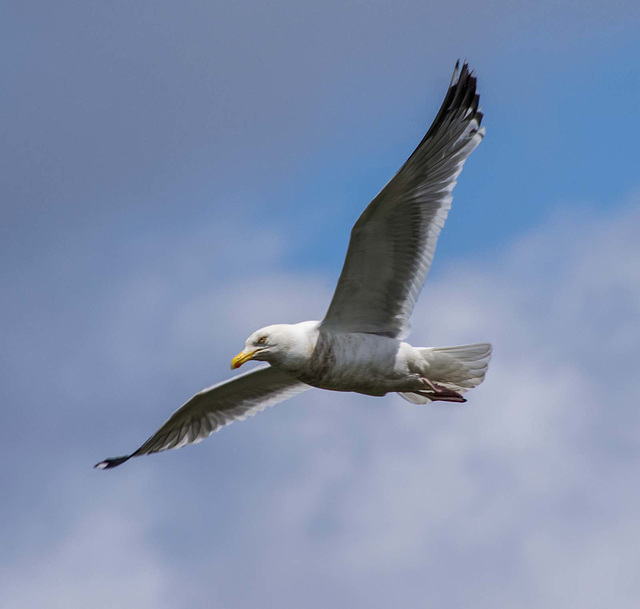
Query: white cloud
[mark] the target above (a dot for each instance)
(523, 497)
(105, 559)
(500, 502)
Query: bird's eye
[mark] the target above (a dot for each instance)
(262, 340)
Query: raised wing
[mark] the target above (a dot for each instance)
(393, 242)
(214, 407)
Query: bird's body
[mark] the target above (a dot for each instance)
(369, 363)
(358, 362)
(359, 346)
(349, 361)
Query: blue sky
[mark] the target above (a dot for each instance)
(176, 175)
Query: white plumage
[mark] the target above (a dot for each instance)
(359, 345)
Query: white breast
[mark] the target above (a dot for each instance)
(365, 363)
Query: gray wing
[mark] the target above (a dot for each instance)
(393, 242)
(214, 407)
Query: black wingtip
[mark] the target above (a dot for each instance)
(113, 462)
(454, 76)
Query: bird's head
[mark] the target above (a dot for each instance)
(268, 344)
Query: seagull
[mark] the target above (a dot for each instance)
(359, 346)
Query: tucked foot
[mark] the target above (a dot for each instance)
(428, 383)
(438, 393)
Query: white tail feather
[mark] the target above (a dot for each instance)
(457, 368)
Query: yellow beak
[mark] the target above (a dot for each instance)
(242, 357)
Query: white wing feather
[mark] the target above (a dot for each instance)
(393, 242)
(214, 407)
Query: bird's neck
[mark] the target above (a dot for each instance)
(299, 348)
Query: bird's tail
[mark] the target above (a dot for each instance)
(453, 371)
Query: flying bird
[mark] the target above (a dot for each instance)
(359, 345)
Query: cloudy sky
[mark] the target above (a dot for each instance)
(176, 174)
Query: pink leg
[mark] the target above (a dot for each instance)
(442, 393)
(431, 385)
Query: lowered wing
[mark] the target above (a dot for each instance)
(214, 407)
